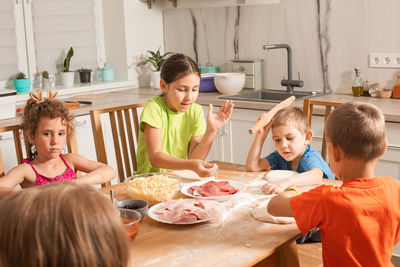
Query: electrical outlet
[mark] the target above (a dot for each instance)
(384, 60)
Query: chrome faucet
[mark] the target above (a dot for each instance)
(289, 83)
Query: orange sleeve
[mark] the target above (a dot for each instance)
(308, 208)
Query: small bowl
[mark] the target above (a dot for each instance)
(384, 93)
(154, 187)
(131, 220)
(134, 204)
(229, 83)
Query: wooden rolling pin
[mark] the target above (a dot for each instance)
(264, 121)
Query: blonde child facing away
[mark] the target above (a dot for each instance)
(360, 220)
(61, 224)
(173, 134)
(292, 135)
(46, 124)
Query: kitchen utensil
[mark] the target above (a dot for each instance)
(269, 115)
(106, 74)
(112, 196)
(208, 68)
(229, 82)
(207, 83)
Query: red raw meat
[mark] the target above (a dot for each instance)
(214, 189)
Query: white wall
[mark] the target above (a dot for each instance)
(130, 29)
(143, 31)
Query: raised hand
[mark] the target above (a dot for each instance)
(217, 120)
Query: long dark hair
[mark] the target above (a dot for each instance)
(177, 66)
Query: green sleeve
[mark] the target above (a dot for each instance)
(151, 115)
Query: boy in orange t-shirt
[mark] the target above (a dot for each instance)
(360, 220)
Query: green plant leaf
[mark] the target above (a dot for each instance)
(67, 59)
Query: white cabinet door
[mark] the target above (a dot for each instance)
(233, 141)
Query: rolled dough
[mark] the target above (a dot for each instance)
(261, 213)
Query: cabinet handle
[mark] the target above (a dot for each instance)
(17, 2)
(28, 1)
(241, 69)
(80, 123)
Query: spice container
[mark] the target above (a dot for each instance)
(396, 88)
(372, 89)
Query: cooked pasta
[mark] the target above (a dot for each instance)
(153, 189)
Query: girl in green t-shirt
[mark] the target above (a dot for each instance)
(173, 134)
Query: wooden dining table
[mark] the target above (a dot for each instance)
(236, 240)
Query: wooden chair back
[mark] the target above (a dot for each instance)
(308, 105)
(17, 136)
(124, 123)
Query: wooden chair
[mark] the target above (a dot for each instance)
(17, 135)
(308, 110)
(124, 123)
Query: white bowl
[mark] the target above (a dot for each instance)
(230, 82)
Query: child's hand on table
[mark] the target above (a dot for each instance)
(273, 187)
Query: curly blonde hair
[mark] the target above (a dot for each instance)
(38, 107)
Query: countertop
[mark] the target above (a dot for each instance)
(119, 97)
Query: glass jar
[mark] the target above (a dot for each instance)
(373, 88)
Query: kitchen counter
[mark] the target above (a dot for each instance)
(119, 97)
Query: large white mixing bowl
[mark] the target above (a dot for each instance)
(229, 82)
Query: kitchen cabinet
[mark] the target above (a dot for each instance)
(35, 33)
(205, 3)
(233, 141)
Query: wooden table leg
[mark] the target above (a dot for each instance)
(289, 256)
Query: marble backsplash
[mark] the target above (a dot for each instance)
(328, 39)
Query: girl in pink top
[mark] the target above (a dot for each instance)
(46, 124)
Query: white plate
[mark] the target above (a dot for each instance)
(152, 213)
(277, 175)
(238, 185)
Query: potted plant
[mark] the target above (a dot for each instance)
(21, 83)
(156, 59)
(67, 76)
(46, 80)
(85, 75)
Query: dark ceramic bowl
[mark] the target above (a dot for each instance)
(134, 204)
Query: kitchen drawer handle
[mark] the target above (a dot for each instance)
(241, 69)
(80, 123)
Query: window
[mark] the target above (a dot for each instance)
(36, 34)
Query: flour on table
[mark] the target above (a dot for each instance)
(277, 175)
(261, 213)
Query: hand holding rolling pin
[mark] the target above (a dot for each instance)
(268, 116)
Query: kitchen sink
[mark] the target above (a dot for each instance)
(270, 95)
